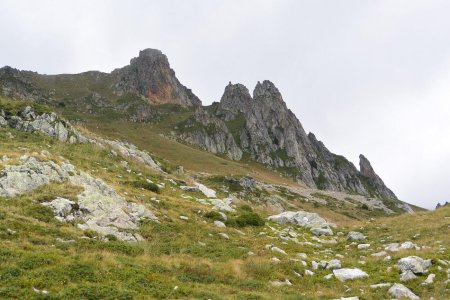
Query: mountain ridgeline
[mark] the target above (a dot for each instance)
(257, 127)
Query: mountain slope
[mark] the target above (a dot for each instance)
(190, 244)
(242, 127)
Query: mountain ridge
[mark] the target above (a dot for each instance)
(259, 127)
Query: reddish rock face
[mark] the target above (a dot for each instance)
(149, 75)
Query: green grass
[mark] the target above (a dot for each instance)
(13, 107)
(189, 254)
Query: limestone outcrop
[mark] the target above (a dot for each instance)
(98, 207)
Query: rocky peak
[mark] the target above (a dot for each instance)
(365, 168)
(151, 54)
(149, 75)
(267, 92)
(236, 98)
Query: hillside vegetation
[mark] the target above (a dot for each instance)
(187, 253)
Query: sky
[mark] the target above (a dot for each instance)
(366, 76)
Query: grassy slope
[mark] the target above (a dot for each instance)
(172, 255)
(146, 136)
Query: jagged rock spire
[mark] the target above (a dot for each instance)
(149, 75)
(366, 170)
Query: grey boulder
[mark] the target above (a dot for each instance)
(317, 224)
(349, 274)
(400, 291)
(355, 236)
(414, 264)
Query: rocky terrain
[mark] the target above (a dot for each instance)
(98, 208)
(258, 127)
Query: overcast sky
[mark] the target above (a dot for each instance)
(369, 77)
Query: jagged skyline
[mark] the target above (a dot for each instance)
(370, 77)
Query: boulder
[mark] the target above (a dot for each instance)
(210, 193)
(429, 280)
(191, 189)
(400, 291)
(321, 231)
(363, 246)
(414, 264)
(64, 209)
(278, 283)
(333, 264)
(407, 275)
(355, 236)
(349, 274)
(219, 224)
(394, 247)
(318, 225)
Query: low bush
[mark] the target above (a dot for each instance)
(245, 217)
(143, 184)
(213, 215)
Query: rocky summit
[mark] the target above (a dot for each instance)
(123, 185)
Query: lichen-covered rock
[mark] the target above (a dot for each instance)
(313, 221)
(47, 123)
(394, 247)
(130, 150)
(349, 274)
(400, 291)
(64, 209)
(355, 236)
(407, 275)
(415, 264)
(20, 179)
(210, 193)
(99, 207)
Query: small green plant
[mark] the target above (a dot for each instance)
(143, 184)
(213, 215)
(90, 233)
(249, 219)
(245, 217)
(111, 237)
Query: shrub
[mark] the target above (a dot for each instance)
(145, 185)
(213, 215)
(245, 217)
(249, 219)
